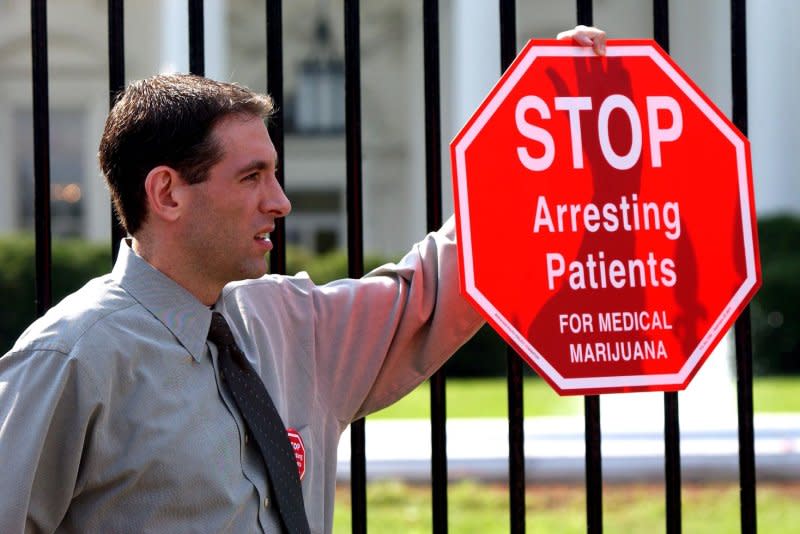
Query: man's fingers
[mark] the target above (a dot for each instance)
(599, 45)
(587, 36)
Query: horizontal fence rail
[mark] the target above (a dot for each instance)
(431, 22)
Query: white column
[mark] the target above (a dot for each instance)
(773, 75)
(474, 69)
(476, 55)
(174, 37)
(215, 27)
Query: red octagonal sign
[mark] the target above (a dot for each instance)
(605, 217)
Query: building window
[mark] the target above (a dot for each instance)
(317, 106)
(67, 172)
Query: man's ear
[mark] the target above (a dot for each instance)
(161, 186)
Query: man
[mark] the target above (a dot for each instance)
(119, 409)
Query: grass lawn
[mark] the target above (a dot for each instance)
(776, 394)
(629, 508)
(474, 508)
(487, 397)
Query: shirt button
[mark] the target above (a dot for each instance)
(246, 438)
(266, 502)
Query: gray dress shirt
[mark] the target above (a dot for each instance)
(113, 417)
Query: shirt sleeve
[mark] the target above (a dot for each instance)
(379, 337)
(44, 422)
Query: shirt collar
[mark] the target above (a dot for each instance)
(180, 311)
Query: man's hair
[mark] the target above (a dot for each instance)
(167, 120)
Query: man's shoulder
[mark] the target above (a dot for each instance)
(276, 296)
(93, 308)
(299, 284)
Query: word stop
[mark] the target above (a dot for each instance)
(574, 105)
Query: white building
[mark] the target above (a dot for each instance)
(392, 95)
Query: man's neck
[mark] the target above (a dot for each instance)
(170, 266)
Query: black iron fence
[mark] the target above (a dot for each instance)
(430, 21)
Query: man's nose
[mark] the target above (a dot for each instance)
(275, 200)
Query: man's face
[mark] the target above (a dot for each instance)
(234, 209)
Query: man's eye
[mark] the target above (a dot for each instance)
(251, 176)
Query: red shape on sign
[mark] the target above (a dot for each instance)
(299, 450)
(605, 217)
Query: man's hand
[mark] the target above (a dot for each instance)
(587, 36)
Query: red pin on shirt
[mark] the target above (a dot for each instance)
(299, 451)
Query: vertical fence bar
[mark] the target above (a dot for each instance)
(274, 12)
(585, 12)
(594, 461)
(116, 49)
(743, 341)
(197, 61)
(516, 432)
(116, 83)
(744, 387)
(355, 235)
(41, 157)
(433, 198)
(672, 463)
(672, 432)
(661, 23)
(197, 57)
(594, 471)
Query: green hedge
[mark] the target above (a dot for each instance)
(74, 262)
(775, 310)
